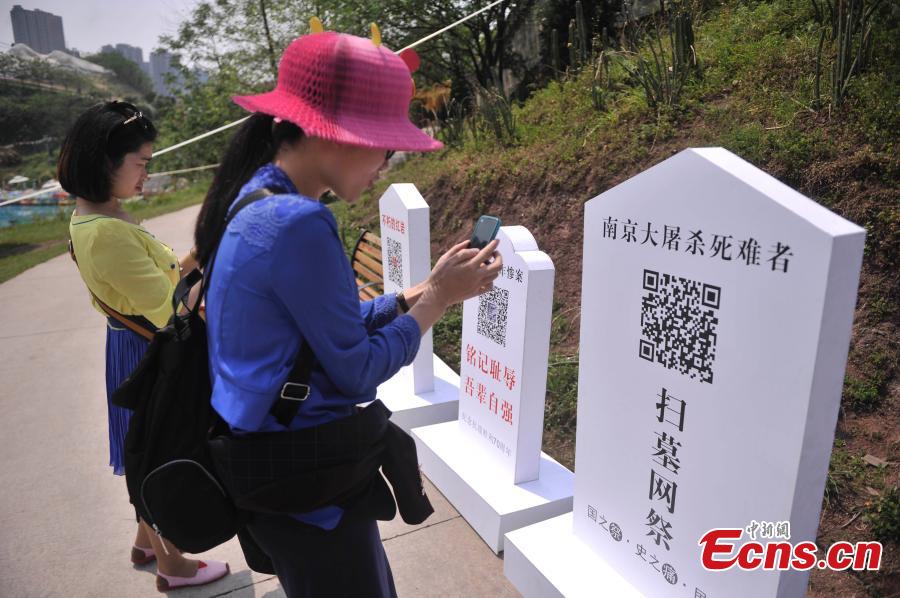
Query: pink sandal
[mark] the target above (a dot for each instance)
(207, 572)
(142, 556)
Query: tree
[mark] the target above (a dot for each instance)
(127, 71)
(473, 55)
(197, 107)
(27, 114)
(231, 37)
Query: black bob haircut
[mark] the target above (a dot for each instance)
(96, 146)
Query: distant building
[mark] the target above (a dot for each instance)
(161, 65)
(39, 30)
(132, 53)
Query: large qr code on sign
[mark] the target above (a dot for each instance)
(492, 309)
(394, 261)
(678, 324)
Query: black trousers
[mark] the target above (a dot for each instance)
(346, 562)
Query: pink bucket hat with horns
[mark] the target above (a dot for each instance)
(345, 89)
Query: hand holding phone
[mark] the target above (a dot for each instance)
(486, 229)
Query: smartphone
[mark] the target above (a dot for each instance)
(485, 230)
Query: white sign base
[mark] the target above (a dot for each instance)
(413, 410)
(546, 560)
(477, 489)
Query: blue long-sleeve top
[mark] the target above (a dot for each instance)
(280, 277)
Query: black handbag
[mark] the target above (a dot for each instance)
(168, 469)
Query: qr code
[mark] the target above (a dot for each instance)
(492, 310)
(394, 261)
(678, 324)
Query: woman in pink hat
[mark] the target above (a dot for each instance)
(280, 281)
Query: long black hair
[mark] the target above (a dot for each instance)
(96, 145)
(254, 144)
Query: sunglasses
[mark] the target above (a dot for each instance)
(136, 116)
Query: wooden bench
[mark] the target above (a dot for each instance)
(366, 262)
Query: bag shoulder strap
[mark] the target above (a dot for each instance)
(296, 389)
(183, 289)
(125, 320)
(247, 200)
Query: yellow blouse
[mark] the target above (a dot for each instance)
(125, 266)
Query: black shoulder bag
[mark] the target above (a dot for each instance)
(168, 467)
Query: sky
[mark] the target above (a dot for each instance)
(89, 24)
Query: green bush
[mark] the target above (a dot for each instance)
(843, 471)
(448, 337)
(884, 517)
(561, 409)
(865, 392)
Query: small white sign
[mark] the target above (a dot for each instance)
(505, 345)
(406, 261)
(717, 306)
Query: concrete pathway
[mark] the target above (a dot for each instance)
(66, 526)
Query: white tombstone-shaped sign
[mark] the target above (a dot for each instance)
(489, 463)
(503, 366)
(406, 259)
(717, 306)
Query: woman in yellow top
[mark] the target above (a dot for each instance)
(104, 160)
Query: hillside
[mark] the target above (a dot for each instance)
(40, 100)
(754, 95)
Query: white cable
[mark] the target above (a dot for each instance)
(183, 170)
(199, 137)
(237, 122)
(449, 27)
(30, 195)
